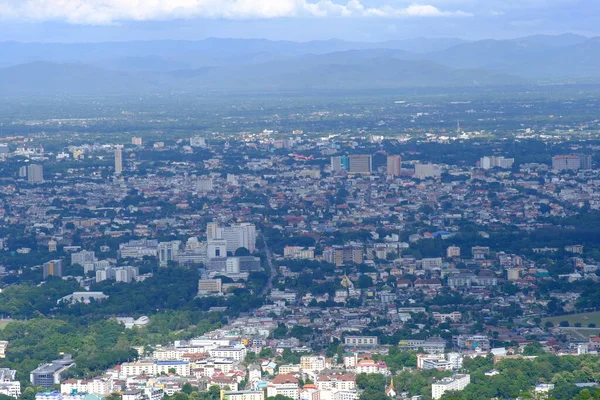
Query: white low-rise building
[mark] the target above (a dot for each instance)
(457, 382)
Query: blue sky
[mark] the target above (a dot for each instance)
(300, 20)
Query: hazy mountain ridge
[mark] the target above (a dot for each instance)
(257, 64)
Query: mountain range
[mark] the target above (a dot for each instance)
(257, 64)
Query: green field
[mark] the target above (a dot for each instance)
(584, 319)
(3, 323)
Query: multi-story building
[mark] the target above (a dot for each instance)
(453, 251)
(456, 383)
(93, 386)
(431, 263)
(285, 385)
(168, 251)
(489, 162)
(455, 316)
(433, 345)
(138, 248)
(197, 141)
(312, 363)
(235, 352)
(136, 141)
(360, 164)
(118, 161)
(9, 385)
(210, 286)
(52, 268)
(204, 185)
(424, 171)
(83, 257)
(48, 375)
(239, 235)
(244, 395)
(340, 163)
(561, 163)
(394, 166)
(361, 341)
(3, 347)
(344, 255)
(35, 173)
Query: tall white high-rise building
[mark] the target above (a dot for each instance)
(394, 166)
(118, 161)
(35, 173)
(239, 235)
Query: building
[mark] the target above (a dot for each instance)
(204, 185)
(585, 161)
(126, 274)
(243, 395)
(453, 251)
(285, 385)
(35, 173)
(9, 385)
(168, 251)
(490, 162)
(394, 166)
(82, 297)
(52, 268)
(433, 345)
(340, 163)
(457, 383)
(52, 245)
(197, 141)
(424, 171)
(3, 347)
(83, 257)
(562, 163)
(136, 141)
(48, 375)
(312, 363)
(100, 386)
(238, 235)
(118, 161)
(361, 341)
(360, 164)
(431, 263)
(216, 248)
(210, 286)
(235, 352)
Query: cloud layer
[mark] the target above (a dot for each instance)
(101, 12)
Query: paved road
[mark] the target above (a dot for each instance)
(272, 271)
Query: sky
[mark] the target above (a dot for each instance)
(298, 20)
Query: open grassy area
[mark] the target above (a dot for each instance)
(584, 319)
(4, 322)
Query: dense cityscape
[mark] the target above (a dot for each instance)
(417, 249)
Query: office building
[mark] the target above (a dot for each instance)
(204, 185)
(239, 235)
(136, 141)
(48, 375)
(339, 163)
(566, 163)
(489, 162)
(424, 171)
(83, 257)
(4, 148)
(585, 161)
(211, 230)
(52, 268)
(168, 251)
(126, 274)
(23, 171)
(394, 166)
(360, 164)
(118, 161)
(457, 383)
(52, 245)
(35, 173)
(210, 286)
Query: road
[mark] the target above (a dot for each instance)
(272, 271)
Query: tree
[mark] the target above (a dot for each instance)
(365, 282)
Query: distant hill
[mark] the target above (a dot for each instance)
(343, 70)
(257, 64)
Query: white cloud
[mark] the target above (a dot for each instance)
(110, 11)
